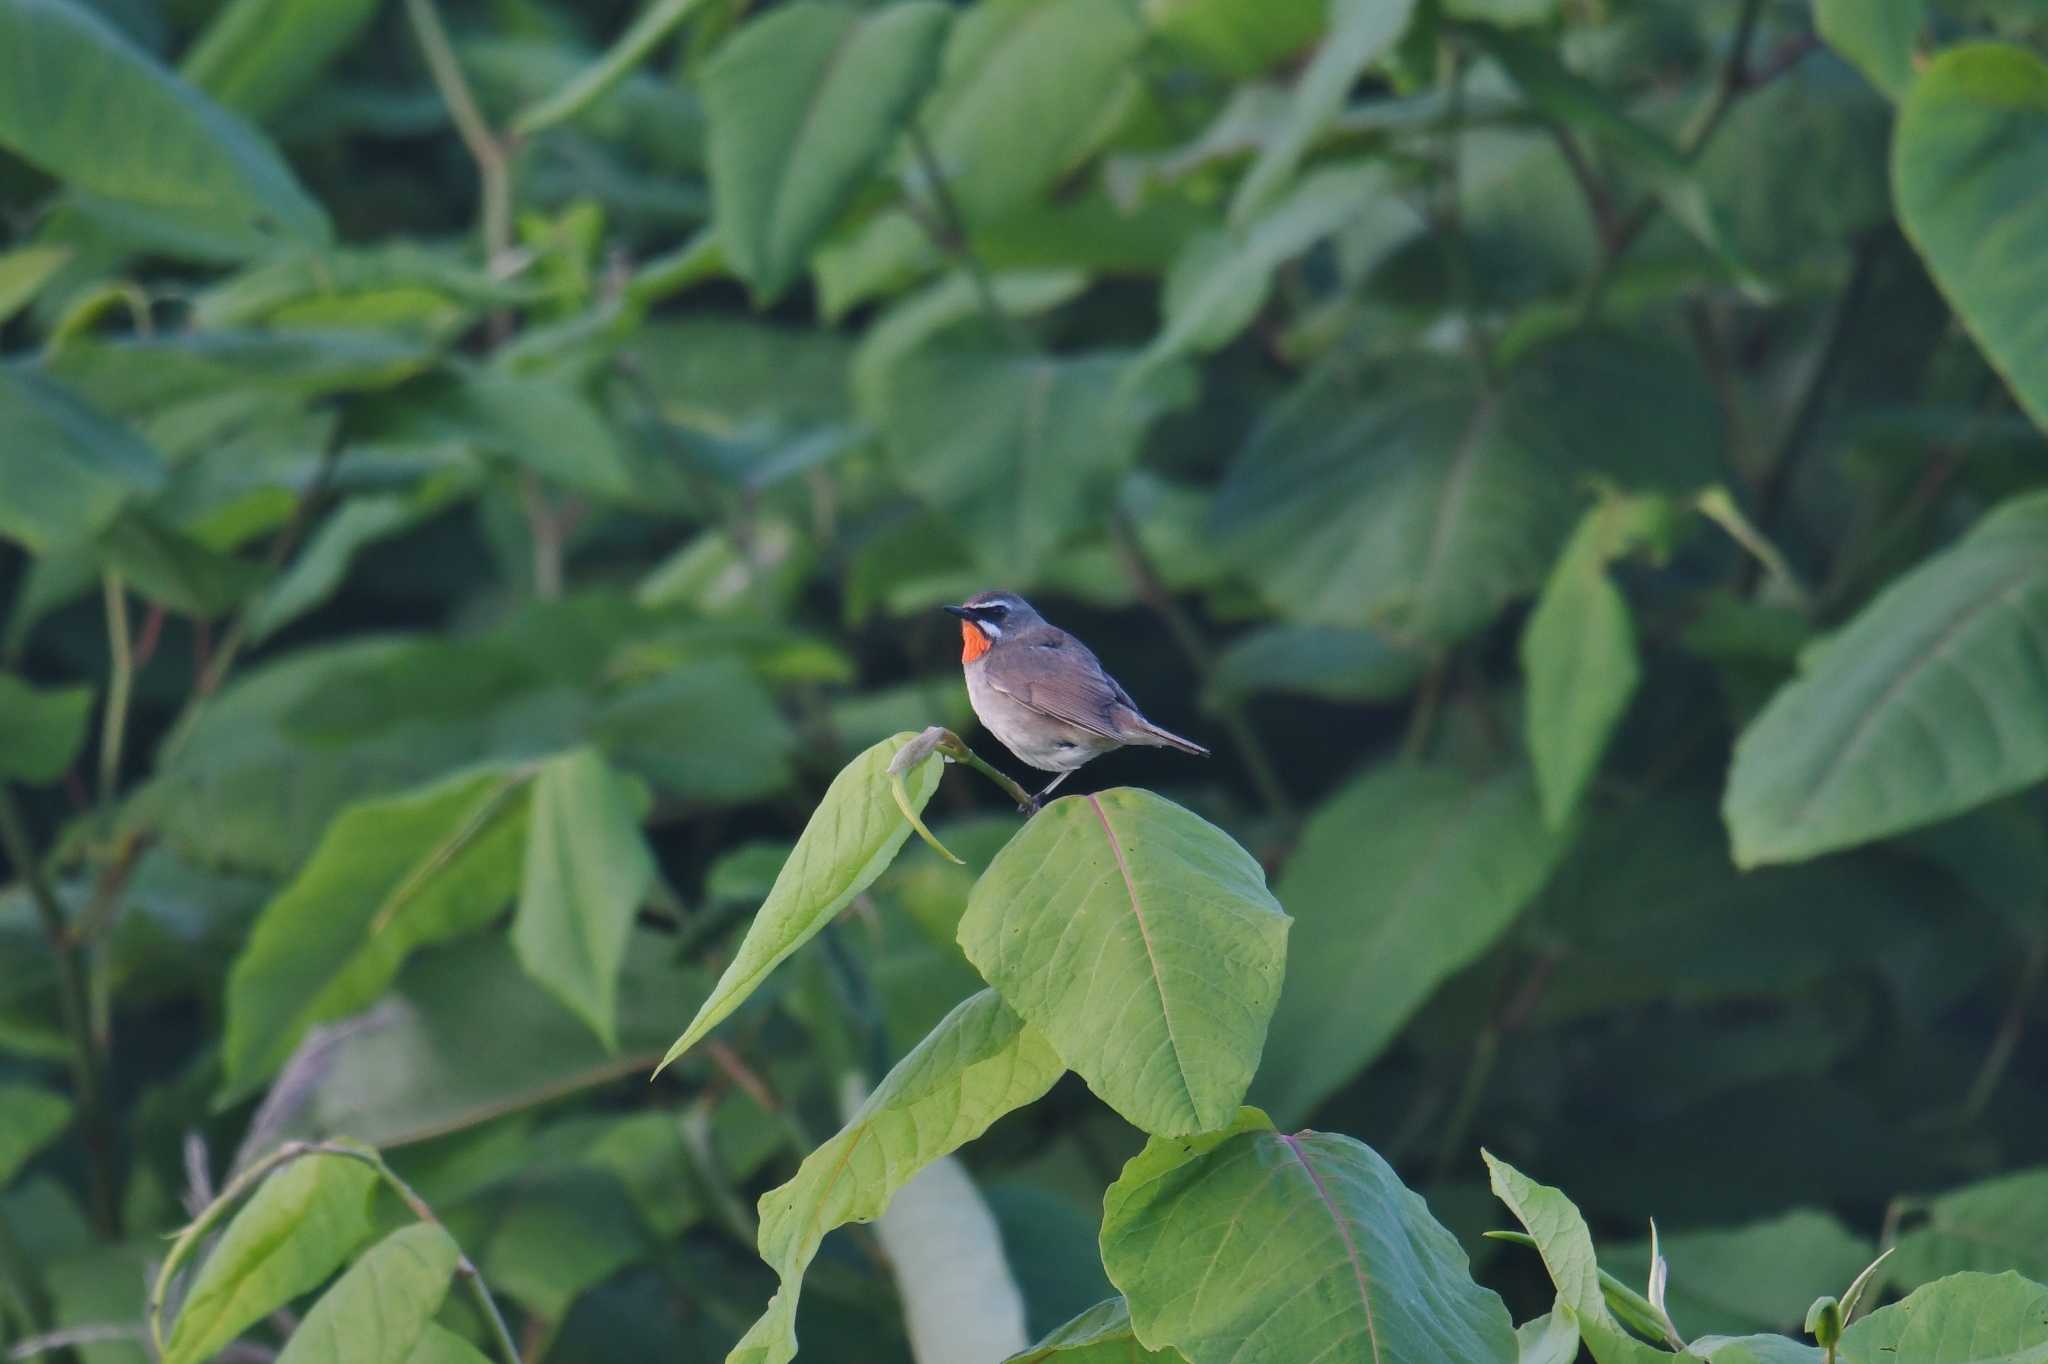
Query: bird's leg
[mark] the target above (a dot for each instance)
(1038, 801)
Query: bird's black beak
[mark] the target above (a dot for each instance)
(964, 612)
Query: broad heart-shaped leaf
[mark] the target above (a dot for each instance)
(1579, 659)
(389, 875)
(40, 729)
(1997, 1224)
(1360, 30)
(1142, 941)
(1962, 1319)
(1401, 496)
(1018, 451)
(587, 871)
(34, 1118)
(1877, 37)
(256, 55)
(803, 104)
(1969, 157)
(1100, 1335)
(1403, 877)
(852, 837)
(979, 1063)
(1932, 700)
(67, 467)
(1266, 1248)
(378, 1312)
(297, 1229)
(81, 101)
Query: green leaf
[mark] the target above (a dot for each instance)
(389, 875)
(442, 1346)
(1502, 11)
(1548, 1339)
(549, 428)
(707, 732)
(656, 22)
(1238, 37)
(851, 838)
(41, 729)
(1402, 878)
(23, 273)
(172, 569)
(1969, 156)
(68, 468)
(1992, 1225)
(1053, 433)
(319, 568)
(1932, 700)
(1877, 37)
(1307, 660)
(981, 1062)
(301, 1224)
(945, 303)
(1360, 31)
(1273, 1249)
(1100, 1335)
(804, 103)
(378, 1312)
(82, 102)
(255, 56)
(1579, 656)
(587, 872)
(1759, 1277)
(34, 1118)
(1151, 957)
(1963, 1319)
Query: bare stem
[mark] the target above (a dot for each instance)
(120, 686)
(492, 157)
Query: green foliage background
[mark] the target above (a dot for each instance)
(472, 473)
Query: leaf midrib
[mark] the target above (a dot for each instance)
(1151, 956)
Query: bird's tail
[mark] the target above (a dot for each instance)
(1166, 738)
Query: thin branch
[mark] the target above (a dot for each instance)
(1996, 1061)
(492, 156)
(120, 685)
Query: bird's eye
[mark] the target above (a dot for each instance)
(997, 609)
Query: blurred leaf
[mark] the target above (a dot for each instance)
(1850, 750)
(960, 1299)
(318, 570)
(439, 1345)
(134, 377)
(656, 22)
(940, 305)
(34, 1119)
(587, 871)
(851, 838)
(1238, 37)
(1268, 1248)
(1152, 962)
(980, 1063)
(1403, 877)
(378, 1312)
(81, 101)
(1963, 1319)
(1759, 1277)
(41, 729)
(1100, 1335)
(390, 875)
(1307, 660)
(708, 731)
(1360, 32)
(1995, 1224)
(68, 468)
(254, 56)
(24, 271)
(300, 1225)
(172, 569)
(1968, 159)
(1502, 11)
(1052, 434)
(1876, 36)
(550, 429)
(555, 1237)
(804, 102)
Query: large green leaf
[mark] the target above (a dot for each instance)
(1100, 1335)
(851, 838)
(1403, 877)
(1876, 36)
(1273, 1249)
(1997, 1224)
(67, 467)
(256, 55)
(1963, 1319)
(390, 875)
(1932, 700)
(1018, 450)
(81, 101)
(298, 1228)
(587, 872)
(804, 102)
(379, 1311)
(41, 729)
(1567, 1249)
(1360, 31)
(1143, 942)
(980, 1062)
(1969, 157)
(34, 1118)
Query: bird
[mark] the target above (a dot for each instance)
(1044, 694)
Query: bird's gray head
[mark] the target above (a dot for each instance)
(991, 615)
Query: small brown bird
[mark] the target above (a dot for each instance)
(1043, 693)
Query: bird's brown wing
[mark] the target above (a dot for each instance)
(1059, 678)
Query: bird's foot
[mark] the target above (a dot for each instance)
(1030, 807)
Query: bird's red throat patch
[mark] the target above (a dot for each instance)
(973, 642)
